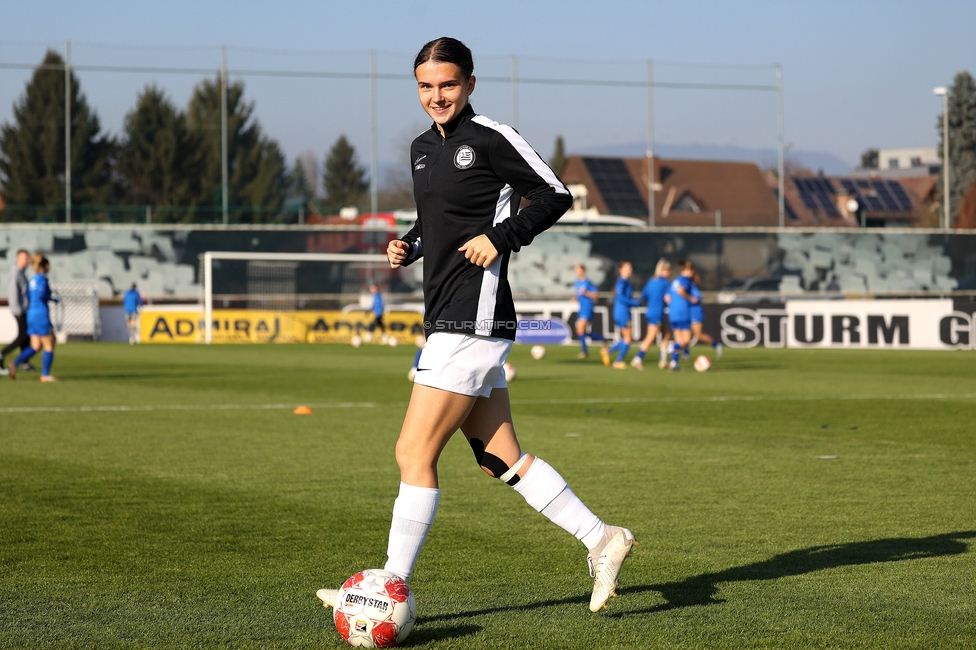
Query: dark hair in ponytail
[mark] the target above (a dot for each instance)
(446, 50)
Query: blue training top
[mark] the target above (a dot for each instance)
(377, 304)
(653, 294)
(680, 310)
(622, 300)
(697, 311)
(585, 302)
(38, 295)
(131, 301)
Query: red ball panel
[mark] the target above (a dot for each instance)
(385, 634)
(342, 625)
(398, 590)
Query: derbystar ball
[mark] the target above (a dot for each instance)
(374, 609)
(509, 372)
(702, 363)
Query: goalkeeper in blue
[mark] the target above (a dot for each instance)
(623, 301)
(585, 293)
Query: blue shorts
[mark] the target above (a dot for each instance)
(697, 315)
(655, 318)
(585, 313)
(38, 325)
(680, 325)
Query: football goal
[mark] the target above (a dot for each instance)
(285, 283)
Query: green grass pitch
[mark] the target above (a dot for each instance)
(167, 497)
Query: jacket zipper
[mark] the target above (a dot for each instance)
(437, 156)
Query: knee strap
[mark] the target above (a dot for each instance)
(511, 476)
(494, 464)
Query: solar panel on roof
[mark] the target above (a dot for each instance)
(817, 194)
(878, 195)
(616, 186)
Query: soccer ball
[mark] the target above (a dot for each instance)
(702, 363)
(374, 609)
(393, 342)
(509, 372)
(537, 352)
(356, 341)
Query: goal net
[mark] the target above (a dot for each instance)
(300, 297)
(75, 315)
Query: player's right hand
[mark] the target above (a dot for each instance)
(397, 251)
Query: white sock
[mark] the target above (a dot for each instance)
(546, 491)
(413, 513)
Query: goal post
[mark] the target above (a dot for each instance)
(273, 276)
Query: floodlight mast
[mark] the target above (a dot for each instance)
(944, 92)
(67, 131)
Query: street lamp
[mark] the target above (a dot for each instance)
(944, 92)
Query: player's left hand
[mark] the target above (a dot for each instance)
(480, 251)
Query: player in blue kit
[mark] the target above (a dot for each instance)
(655, 296)
(698, 319)
(38, 319)
(680, 301)
(623, 301)
(131, 302)
(585, 292)
(377, 309)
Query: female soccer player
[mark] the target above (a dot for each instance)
(38, 319)
(623, 300)
(681, 300)
(655, 295)
(586, 293)
(470, 174)
(378, 309)
(698, 318)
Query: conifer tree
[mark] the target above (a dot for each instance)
(32, 162)
(559, 155)
(962, 141)
(344, 180)
(157, 154)
(256, 165)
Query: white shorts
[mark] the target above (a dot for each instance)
(460, 363)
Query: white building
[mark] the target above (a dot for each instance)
(908, 158)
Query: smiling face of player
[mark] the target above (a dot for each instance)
(444, 90)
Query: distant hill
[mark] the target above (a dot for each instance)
(814, 160)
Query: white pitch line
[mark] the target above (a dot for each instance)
(746, 398)
(594, 400)
(178, 407)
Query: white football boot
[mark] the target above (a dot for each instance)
(605, 562)
(328, 597)
(719, 349)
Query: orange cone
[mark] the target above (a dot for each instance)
(302, 410)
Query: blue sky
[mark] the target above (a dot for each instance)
(857, 74)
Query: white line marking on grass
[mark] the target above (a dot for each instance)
(178, 407)
(744, 398)
(528, 402)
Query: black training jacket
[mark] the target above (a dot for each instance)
(471, 183)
